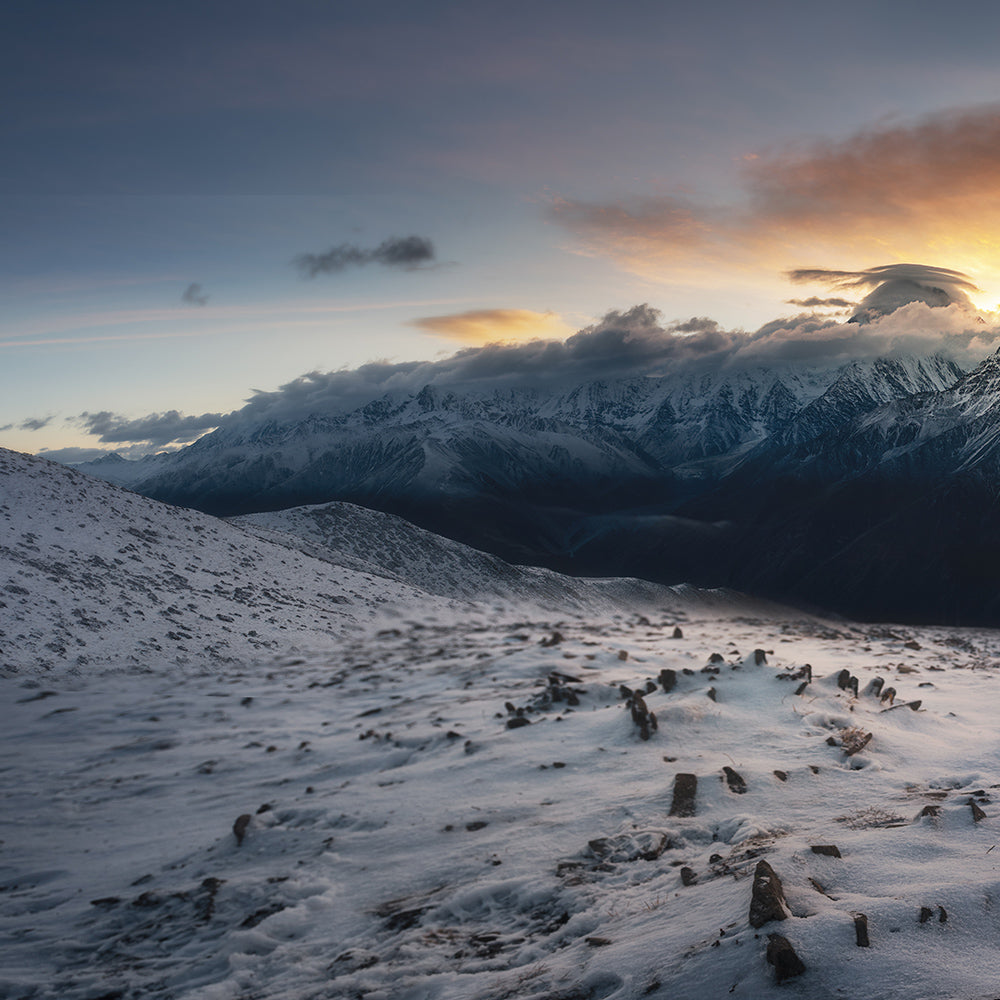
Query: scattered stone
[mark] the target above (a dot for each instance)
(688, 876)
(977, 813)
(781, 955)
(685, 790)
(932, 811)
(735, 781)
(854, 741)
(711, 694)
(781, 775)
(106, 902)
(846, 681)
(767, 898)
(558, 764)
(861, 930)
(623, 654)
(888, 695)
(678, 634)
(912, 644)
(801, 688)
(517, 722)
(552, 640)
(240, 827)
(717, 658)
(942, 915)
(642, 716)
(830, 850)
(668, 680)
(597, 942)
(925, 914)
(643, 845)
(759, 657)
(476, 824)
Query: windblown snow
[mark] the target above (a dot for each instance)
(434, 795)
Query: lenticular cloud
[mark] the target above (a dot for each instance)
(894, 286)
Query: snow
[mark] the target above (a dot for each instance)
(402, 840)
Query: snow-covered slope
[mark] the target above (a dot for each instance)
(470, 811)
(93, 574)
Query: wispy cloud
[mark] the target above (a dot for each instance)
(899, 191)
(484, 326)
(405, 252)
(815, 302)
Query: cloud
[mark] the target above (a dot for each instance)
(33, 424)
(407, 252)
(814, 302)
(895, 285)
(156, 429)
(193, 295)
(932, 185)
(483, 326)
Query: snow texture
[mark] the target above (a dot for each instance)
(460, 803)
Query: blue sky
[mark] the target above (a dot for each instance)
(165, 165)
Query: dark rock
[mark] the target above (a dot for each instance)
(781, 955)
(888, 694)
(552, 640)
(912, 644)
(925, 914)
(476, 824)
(106, 902)
(977, 813)
(717, 658)
(668, 680)
(678, 634)
(262, 914)
(685, 790)
(688, 876)
(781, 775)
(942, 915)
(650, 687)
(711, 694)
(874, 686)
(643, 845)
(642, 716)
(932, 811)
(735, 781)
(517, 722)
(830, 850)
(802, 687)
(623, 654)
(767, 898)
(855, 741)
(240, 827)
(597, 942)
(861, 930)
(759, 657)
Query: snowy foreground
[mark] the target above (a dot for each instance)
(396, 837)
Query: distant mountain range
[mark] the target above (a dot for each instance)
(867, 489)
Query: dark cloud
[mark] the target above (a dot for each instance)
(194, 296)
(407, 252)
(813, 302)
(156, 429)
(34, 423)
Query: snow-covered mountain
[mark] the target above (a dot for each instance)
(787, 481)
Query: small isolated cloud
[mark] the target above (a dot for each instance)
(485, 326)
(156, 429)
(194, 296)
(406, 252)
(900, 191)
(814, 302)
(34, 423)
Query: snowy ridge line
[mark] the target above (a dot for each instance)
(93, 576)
(455, 811)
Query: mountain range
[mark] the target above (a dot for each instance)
(864, 488)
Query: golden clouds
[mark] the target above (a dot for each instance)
(486, 326)
(917, 191)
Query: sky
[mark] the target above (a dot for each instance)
(203, 203)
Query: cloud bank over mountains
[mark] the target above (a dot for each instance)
(904, 319)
